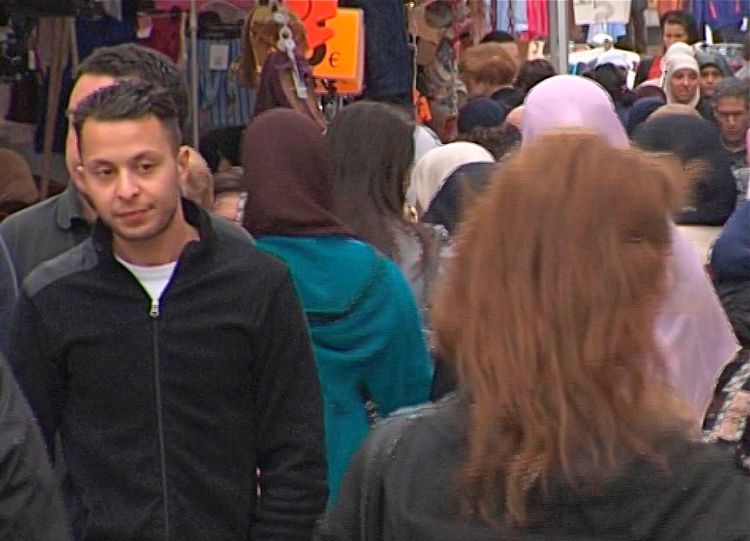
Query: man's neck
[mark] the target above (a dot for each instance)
(165, 248)
(734, 147)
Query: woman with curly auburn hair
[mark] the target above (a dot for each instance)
(565, 426)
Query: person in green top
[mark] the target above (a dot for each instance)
(365, 326)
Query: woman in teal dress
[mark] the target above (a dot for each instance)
(364, 323)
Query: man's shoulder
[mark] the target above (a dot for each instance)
(82, 257)
(38, 217)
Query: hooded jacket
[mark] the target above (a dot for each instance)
(402, 485)
(366, 333)
(165, 410)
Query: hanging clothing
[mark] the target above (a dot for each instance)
(101, 32)
(725, 13)
(388, 60)
(364, 323)
(166, 36)
(670, 5)
(436, 166)
(277, 87)
(222, 101)
(538, 17)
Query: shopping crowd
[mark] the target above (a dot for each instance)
(367, 333)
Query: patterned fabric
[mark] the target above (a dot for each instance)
(728, 418)
(221, 99)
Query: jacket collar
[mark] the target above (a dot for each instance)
(69, 208)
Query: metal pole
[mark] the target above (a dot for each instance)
(194, 71)
(558, 34)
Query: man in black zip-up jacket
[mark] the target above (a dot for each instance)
(169, 392)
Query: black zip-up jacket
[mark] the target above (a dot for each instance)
(30, 506)
(165, 411)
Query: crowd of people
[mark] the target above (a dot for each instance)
(365, 333)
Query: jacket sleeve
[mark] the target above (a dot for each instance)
(39, 373)
(8, 293)
(30, 506)
(730, 256)
(291, 446)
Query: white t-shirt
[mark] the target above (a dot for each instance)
(154, 280)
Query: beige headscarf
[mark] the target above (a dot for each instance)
(16, 181)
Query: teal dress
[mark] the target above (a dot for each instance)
(366, 333)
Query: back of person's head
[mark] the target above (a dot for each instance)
(131, 61)
(732, 87)
(488, 63)
(672, 109)
(373, 151)
(480, 112)
(684, 19)
(229, 196)
(498, 36)
(610, 78)
(687, 136)
(533, 72)
(642, 109)
(199, 187)
(129, 100)
(17, 187)
(559, 273)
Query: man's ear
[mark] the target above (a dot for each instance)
(79, 178)
(183, 167)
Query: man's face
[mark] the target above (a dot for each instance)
(684, 85)
(673, 33)
(131, 174)
(733, 118)
(86, 85)
(710, 77)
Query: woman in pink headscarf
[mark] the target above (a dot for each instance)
(692, 328)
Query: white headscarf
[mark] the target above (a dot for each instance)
(434, 168)
(674, 64)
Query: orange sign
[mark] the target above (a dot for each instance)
(314, 14)
(344, 58)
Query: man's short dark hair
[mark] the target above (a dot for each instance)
(731, 87)
(129, 100)
(685, 20)
(498, 36)
(131, 61)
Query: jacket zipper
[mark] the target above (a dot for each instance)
(154, 314)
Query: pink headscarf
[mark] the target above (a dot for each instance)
(568, 101)
(691, 328)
